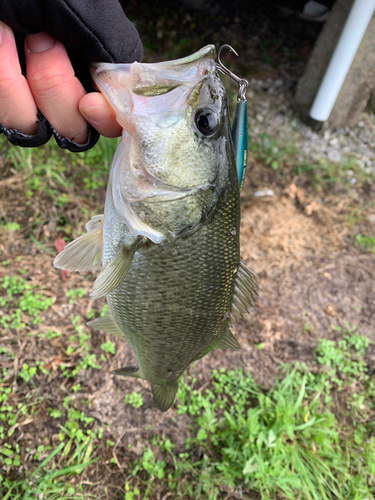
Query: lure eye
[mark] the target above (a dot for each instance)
(206, 121)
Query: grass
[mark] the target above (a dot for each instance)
(51, 467)
(322, 174)
(54, 172)
(367, 242)
(289, 441)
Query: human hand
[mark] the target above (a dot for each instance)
(56, 68)
(51, 87)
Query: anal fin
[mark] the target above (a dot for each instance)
(106, 324)
(84, 253)
(128, 371)
(164, 395)
(115, 270)
(228, 341)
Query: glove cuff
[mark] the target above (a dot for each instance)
(65, 143)
(43, 134)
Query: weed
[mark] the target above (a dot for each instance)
(75, 293)
(22, 297)
(270, 151)
(108, 347)
(27, 372)
(367, 242)
(134, 399)
(12, 227)
(307, 328)
(130, 494)
(265, 46)
(50, 334)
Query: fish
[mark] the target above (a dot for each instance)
(168, 240)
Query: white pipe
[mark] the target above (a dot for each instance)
(346, 48)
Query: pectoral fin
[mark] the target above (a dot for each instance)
(84, 253)
(106, 324)
(128, 371)
(115, 271)
(164, 395)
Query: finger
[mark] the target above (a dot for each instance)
(97, 111)
(56, 90)
(17, 106)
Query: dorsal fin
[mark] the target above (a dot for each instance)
(164, 395)
(228, 341)
(106, 324)
(115, 270)
(244, 290)
(84, 253)
(235, 314)
(248, 276)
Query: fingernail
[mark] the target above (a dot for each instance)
(39, 42)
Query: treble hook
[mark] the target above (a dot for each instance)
(242, 84)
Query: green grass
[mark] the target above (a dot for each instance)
(321, 173)
(287, 442)
(48, 481)
(367, 242)
(51, 467)
(55, 172)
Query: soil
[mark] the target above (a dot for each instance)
(298, 242)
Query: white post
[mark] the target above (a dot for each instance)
(346, 48)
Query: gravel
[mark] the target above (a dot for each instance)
(271, 113)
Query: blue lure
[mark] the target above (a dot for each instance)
(240, 125)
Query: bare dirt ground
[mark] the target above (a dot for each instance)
(299, 242)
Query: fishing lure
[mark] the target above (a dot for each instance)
(240, 125)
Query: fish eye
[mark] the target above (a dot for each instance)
(206, 121)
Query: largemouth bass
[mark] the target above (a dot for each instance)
(169, 237)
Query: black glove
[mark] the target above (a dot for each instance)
(91, 30)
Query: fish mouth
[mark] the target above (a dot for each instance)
(130, 88)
